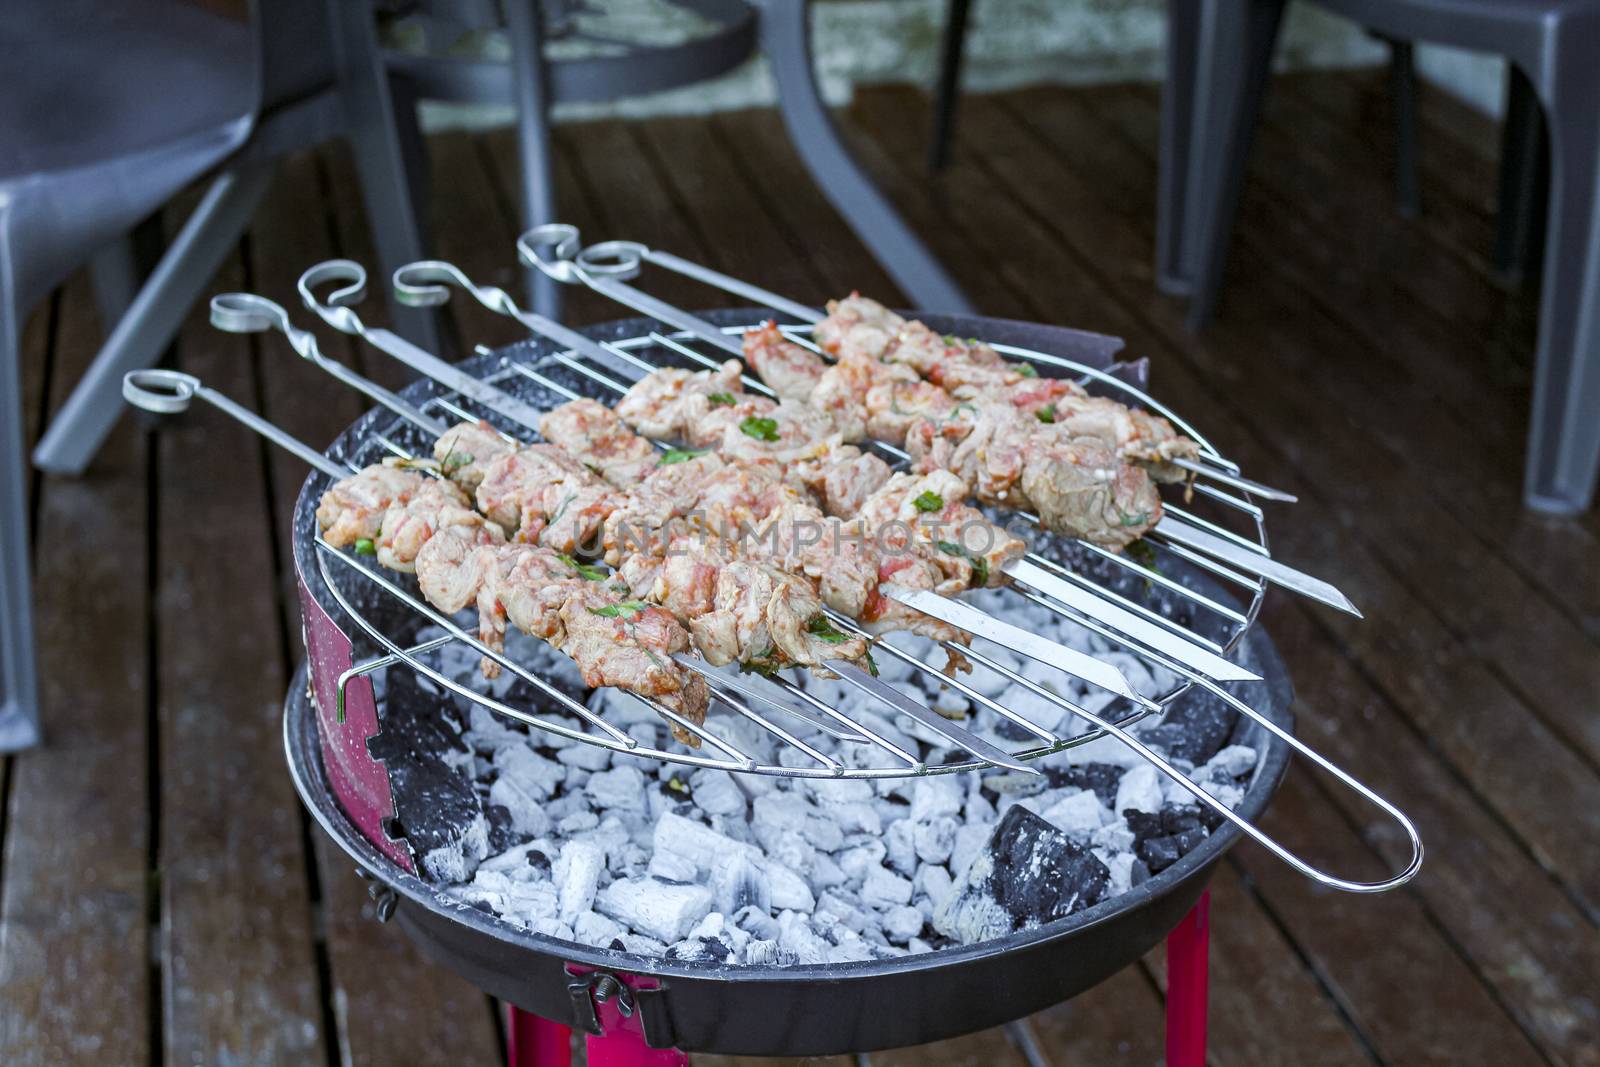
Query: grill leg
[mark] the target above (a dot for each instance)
(534, 1041)
(625, 1047)
(1187, 976)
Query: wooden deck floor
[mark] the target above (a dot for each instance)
(163, 899)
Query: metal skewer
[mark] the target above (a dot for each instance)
(605, 272)
(422, 284)
(612, 263)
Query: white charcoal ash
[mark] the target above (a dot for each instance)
(612, 849)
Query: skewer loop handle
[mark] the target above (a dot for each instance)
(427, 282)
(165, 392)
(614, 259)
(335, 310)
(560, 264)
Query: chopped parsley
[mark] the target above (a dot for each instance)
(872, 664)
(585, 571)
(455, 461)
(1046, 413)
(819, 627)
(676, 455)
(1135, 520)
(721, 400)
(980, 566)
(928, 501)
(1027, 370)
(759, 428)
(626, 609)
(365, 547)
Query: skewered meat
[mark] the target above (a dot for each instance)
(790, 370)
(593, 433)
(671, 402)
(932, 512)
(352, 509)
(436, 507)
(546, 496)
(465, 451)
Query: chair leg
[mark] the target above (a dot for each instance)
(388, 162)
(1564, 431)
(19, 683)
(1403, 98)
(785, 37)
(947, 91)
(1176, 181)
(120, 268)
(1231, 69)
(210, 233)
(1524, 180)
(530, 84)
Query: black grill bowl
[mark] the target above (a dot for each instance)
(811, 1010)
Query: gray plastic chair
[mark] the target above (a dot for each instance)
(1218, 55)
(107, 110)
(734, 30)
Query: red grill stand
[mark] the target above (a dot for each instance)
(532, 1041)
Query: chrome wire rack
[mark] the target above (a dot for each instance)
(1186, 606)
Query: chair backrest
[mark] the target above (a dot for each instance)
(296, 48)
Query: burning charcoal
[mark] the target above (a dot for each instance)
(796, 936)
(577, 876)
(658, 909)
(838, 790)
(789, 890)
(901, 843)
(585, 757)
(1031, 873)
(716, 927)
(884, 888)
(528, 771)
(1078, 815)
(642, 945)
(1114, 837)
(502, 835)
(854, 818)
(776, 812)
(578, 822)
(933, 882)
(716, 793)
(671, 867)
(595, 929)
(518, 861)
(1235, 761)
(1119, 866)
(1100, 777)
(766, 953)
(621, 789)
(738, 881)
(835, 907)
(825, 873)
(969, 843)
(756, 922)
(1036, 709)
(695, 841)
(978, 807)
(857, 860)
(935, 838)
(524, 810)
(902, 923)
(1139, 790)
(917, 946)
(935, 795)
(852, 950)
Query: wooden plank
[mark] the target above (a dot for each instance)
(1120, 1020)
(236, 914)
(1055, 272)
(986, 1048)
(1475, 590)
(74, 960)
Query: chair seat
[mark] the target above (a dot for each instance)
(69, 101)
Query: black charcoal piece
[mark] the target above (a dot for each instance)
(1180, 817)
(539, 861)
(1195, 728)
(1158, 853)
(1029, 873)
(501, 834)
(1100, 777)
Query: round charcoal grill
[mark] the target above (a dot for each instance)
(360, 621)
